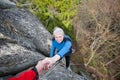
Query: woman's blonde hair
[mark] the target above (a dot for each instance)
(58, 30)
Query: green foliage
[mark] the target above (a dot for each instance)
(56, 13)
(53, 13)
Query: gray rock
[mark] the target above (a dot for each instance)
(26, 29)
(6, 4)
(21, 33)
(15, 58)
(60, 73)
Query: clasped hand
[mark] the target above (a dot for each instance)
(45, 64)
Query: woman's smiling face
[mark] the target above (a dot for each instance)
(59, 38)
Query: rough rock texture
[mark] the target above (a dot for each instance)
(60, 73)
(5, 4)
(15, 58)
(21, 26)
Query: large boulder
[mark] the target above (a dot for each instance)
(15, 58)
(23, 40)
(21, 26)
(60, 73)
(6, 4)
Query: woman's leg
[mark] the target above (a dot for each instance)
(67, 58)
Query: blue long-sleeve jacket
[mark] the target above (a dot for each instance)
(62, 48)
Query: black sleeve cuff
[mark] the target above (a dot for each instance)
(36, 72)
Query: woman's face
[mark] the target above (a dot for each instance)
(59, 38)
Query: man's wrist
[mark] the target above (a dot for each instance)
(36, 72)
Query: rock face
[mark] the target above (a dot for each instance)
(5, 4)
(15, 58)
(21, 26)
(60, 73)
(23, 41)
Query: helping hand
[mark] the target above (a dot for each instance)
(52, 60)
(42, 65)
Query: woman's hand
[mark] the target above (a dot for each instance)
(52, 60)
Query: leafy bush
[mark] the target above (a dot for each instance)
(53, 13)
(56, 13)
